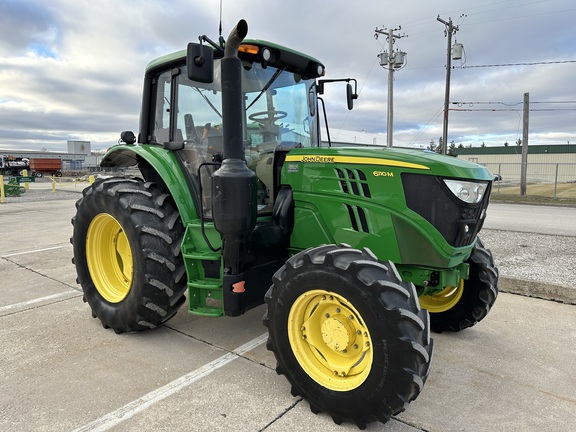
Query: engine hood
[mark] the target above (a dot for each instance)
(424, 161)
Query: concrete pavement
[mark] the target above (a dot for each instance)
(60, 370)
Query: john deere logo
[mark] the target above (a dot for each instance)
(318, 159)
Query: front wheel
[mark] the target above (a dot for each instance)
(348, 334)
(127, 238)
(457, 308)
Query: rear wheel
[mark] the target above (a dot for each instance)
(348, 334)
(126, 239)
(456, 308)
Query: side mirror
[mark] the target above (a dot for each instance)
(200, 63)
(311, 102)
(350, 96)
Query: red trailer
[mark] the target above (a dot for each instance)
(39, 167)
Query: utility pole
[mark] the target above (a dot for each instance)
(524, 166)
(450, 30)
(390, 60)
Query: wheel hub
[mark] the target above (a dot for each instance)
(337, 334)
(330, 340)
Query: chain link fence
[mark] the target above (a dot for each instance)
(554, 180)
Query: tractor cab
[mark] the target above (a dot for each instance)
(185, 114)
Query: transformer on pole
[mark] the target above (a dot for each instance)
(391, 60)
(455, 54)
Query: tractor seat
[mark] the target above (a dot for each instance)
(276, 232)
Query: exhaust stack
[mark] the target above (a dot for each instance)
(233, 184)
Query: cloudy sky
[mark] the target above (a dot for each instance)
(72, 69)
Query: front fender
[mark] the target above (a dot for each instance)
(165, 164)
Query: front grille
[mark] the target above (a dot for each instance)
(457, 221)
(353, 181)
(357, 218)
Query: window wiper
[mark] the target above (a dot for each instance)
(267, 86)
(208, 101)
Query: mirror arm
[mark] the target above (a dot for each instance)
(217, 47)
(321, 83)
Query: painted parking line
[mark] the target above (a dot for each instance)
(116, 417)
(27, 303)
(32, 251)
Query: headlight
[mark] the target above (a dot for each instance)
(469, 192)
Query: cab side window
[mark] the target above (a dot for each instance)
(161, 132)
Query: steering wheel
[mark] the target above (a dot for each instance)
(267, 117)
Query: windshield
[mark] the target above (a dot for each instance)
(276, 107)
(279, 114)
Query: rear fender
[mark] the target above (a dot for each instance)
(165, 165)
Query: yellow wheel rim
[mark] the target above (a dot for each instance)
(444, 300)
(330, 340)
(109, 258)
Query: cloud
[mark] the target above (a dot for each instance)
(27, 26)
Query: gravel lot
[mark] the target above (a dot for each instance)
(33, 195)
(535, 257)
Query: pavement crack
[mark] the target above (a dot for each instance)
(282, 414)
(74, 287)
(213, 345)
(420, 428)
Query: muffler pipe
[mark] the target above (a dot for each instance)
(233, 184)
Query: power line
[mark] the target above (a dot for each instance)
(427, 125)
(520, 64)
(511, 109)
(470, 11)
(509, 103)
(460, 104)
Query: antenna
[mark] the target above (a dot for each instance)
(220, 38)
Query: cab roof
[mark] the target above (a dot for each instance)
(280, 57)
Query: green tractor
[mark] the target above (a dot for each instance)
(357, 252)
